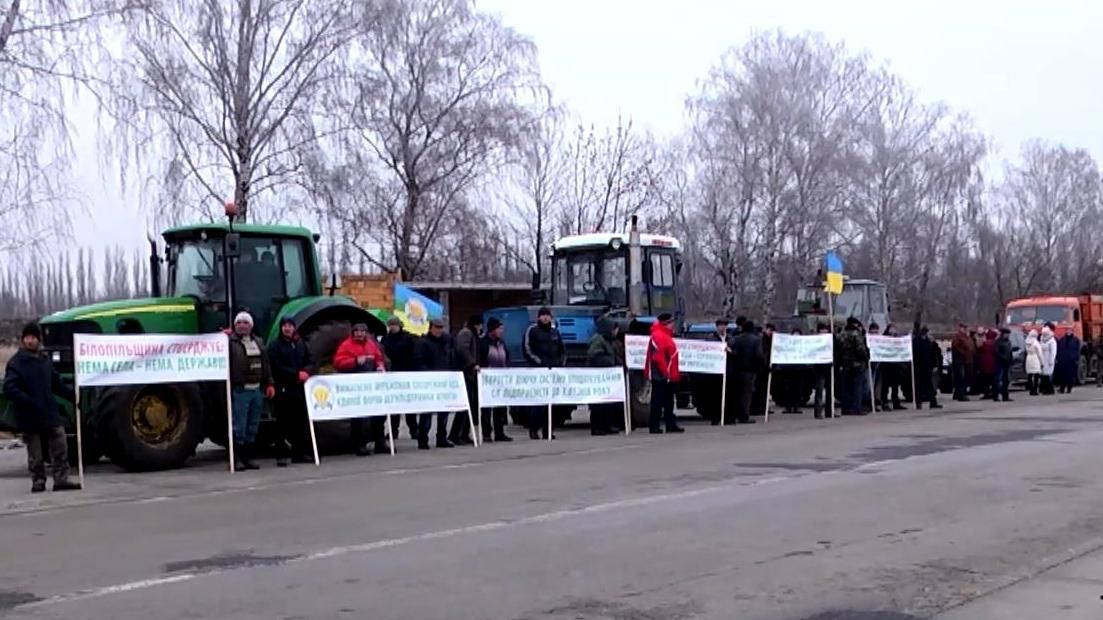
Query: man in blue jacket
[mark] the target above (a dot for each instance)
(30, 384)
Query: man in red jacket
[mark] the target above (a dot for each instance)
(361, 353)
(662, 370)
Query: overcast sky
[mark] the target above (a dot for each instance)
(1021, 69)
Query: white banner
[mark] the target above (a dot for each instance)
(362, 395)
(889, 348)
(150, 358)
(515, 387)
(792, 350)
(701, 356)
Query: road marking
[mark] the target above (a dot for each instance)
(334, 552)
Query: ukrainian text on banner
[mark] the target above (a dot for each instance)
(889, 348)
(701, 356)
(342, 396)
(150, 358)
(518, 387)
(789, 349)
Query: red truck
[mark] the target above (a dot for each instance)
(1080, 314)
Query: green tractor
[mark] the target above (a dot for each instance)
(273, 273)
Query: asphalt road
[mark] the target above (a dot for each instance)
(981, 511)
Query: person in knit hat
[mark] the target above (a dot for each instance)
(250, 384)
(30, 384)
(291, 367)
(493, 354)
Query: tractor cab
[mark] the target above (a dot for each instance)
(593, 270)
(270, 267)
(866, 300)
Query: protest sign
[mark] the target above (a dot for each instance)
(794, 349)
(519, 387)
(697, 356)
(140, 359)
(101, 360)
(889, 348)
(365, 395)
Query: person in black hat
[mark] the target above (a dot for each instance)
(662, 370)
(494, 354)
(435, 352)
(398, 347)
(291, 367)
(467, 361)
(30, 384)
(543, 348)
(712, 385)
(747, 362)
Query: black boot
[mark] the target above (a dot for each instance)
(239, 457)
(534, 434)
(38, 486)
(247, 458)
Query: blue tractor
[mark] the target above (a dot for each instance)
(630, 278)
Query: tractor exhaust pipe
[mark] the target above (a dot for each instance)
(635, 270)
(154, 268)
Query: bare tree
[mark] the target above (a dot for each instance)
(46, 50)
(435, 96)
(223, 92)
(535, 196)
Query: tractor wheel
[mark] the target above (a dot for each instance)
(324, 340)
(152, 427)
(90, 450)
(1082, 370)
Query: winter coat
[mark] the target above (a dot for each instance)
(1067, 367)
(852, 349)
(345, 358)
(30, 384)
(1049, 351)
(434, 353)
(662, 355)
(747, 354)
(963, 349)
(487, 343)
(986, 355)
(287, 358)
(1033, 354)
(467, 349)
(239, 362)
(1005, 352)
(543, 346)
(399, 349)
(601, 353)
(922, 355)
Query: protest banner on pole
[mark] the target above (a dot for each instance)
(382, 394)
(706, 357)
(798, 350)
(892, 350)
(547, 387)
(102, 360)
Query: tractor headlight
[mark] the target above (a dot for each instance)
(616, 244)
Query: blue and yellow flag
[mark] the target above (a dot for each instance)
(834, 284)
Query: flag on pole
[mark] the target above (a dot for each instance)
(834, 284)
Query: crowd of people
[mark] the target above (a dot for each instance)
(276, 372)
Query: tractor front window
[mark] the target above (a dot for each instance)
(196, 268)
(591, 278)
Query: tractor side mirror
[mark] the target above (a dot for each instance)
(233, 245)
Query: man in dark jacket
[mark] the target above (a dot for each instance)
(601, 354)
(853, 356)
(963, 351)
(758, 402)
(747, 361)
(494, 354)
(1066, 371)
(927, 357)
(291, 367)
(543, 348)
(398, 347)
(250, 383)
(435, 352)
(823, 397)
(467, 360)
(1005, 356)
(707, 388)
(30, 384)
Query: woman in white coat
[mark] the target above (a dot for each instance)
(1049, 359)
(1033, 362)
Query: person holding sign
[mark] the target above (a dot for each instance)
(661, 368)
(435, 352)
(494, 354)
(747, 361)
(251, 383)
(853, 361)
(601, 354)
(291, 367)
(361, 353)
(543, 348)
(30, 384)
